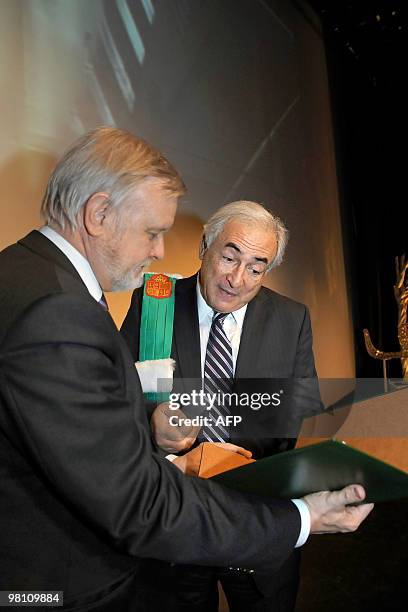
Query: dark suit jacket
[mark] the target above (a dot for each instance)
(276, 343)
(83, 495)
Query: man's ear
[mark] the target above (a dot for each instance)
(202, 248)
(95, 212)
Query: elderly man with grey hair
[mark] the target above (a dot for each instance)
(263, 336)
(85, 496)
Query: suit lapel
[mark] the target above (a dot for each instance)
(255, 323)
(186, 330)
(66, 272)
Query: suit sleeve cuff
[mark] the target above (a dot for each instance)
(305, 521)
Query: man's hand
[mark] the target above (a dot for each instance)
(172, 438)
(190, 462)
(234, 448)
(329, 512)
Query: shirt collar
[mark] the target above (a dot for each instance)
(79, 262)
(205, 311)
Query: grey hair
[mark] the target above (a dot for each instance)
(249, 212)
(108, 160)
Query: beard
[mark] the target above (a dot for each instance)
(122, 275)
(120, 278)
(126, 280)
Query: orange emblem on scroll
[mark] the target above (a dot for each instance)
(159, 286)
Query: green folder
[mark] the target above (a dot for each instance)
(326, 466)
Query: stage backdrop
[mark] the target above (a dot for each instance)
(234, 92)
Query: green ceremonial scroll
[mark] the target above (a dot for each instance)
(156, 326)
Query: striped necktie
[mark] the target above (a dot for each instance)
(218, 378)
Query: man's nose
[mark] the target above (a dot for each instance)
(157, 251)
(236, 276)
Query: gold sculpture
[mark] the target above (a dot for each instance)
(401, 296)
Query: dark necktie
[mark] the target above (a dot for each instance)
(102, 302)
(218, 378)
